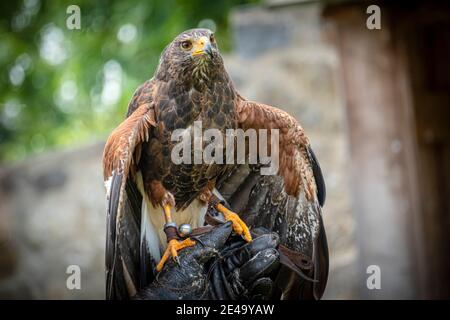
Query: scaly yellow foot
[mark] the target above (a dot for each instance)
(172, 250)
(239, 226)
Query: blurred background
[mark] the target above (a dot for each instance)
(374, 102)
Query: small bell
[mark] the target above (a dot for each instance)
(184, 230)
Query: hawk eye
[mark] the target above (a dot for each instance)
(186, 45)
(211, 38)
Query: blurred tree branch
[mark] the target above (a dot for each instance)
(61, 87)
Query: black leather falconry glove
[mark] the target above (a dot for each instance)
(219, 266)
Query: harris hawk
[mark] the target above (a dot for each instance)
(149, 196)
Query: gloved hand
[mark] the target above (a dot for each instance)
(219, 266)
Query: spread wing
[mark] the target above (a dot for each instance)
(294, 151)
(120, 158)
(288, 203)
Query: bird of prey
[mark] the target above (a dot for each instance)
(149, 195)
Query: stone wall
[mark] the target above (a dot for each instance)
(52, 216)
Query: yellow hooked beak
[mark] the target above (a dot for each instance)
(200, 46)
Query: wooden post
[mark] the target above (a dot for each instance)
(382, 151)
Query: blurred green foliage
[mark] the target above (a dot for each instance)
(61, 87)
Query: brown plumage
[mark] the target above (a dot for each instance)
(184, 89)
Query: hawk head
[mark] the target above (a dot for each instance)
(193, 56)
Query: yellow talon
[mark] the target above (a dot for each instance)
(172, 250)
(239, 226)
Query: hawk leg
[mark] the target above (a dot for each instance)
(174, 245)
(158, 195)
(239, 226)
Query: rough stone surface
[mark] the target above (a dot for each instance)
(52, 215)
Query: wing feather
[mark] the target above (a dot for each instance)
(262, 203)
(294, 161)
(124, 201)
(318, 177)
(290, 205)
